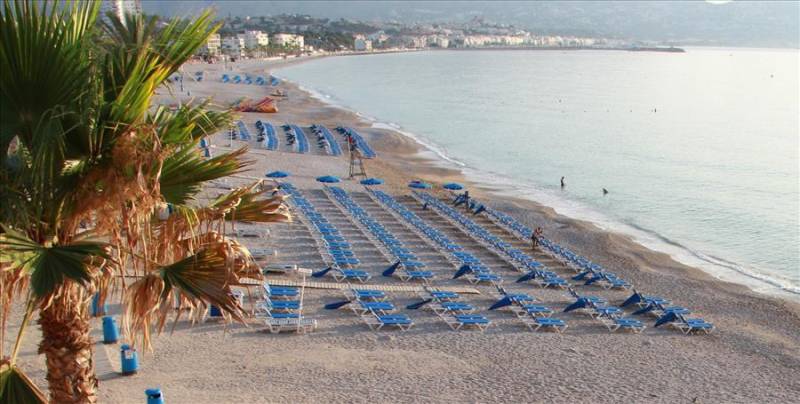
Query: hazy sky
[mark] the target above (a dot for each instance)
(746, 23)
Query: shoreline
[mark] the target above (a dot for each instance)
(719, 269)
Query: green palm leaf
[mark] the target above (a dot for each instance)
(184, 172)
(49, 266)
(17, 387)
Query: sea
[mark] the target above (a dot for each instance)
(698, 151)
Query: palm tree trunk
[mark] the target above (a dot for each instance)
(68, 348)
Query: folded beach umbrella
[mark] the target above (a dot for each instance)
(419, 185)
(417, 305)
(505, 301)
(329, 179)
(390, 271)
(579, 304)
(372, 181)
(320, 274)
(334, 306)
(524, 278)
(453, 186)
(666, 318)
(277, 174)
(462, 271)
(636, 297)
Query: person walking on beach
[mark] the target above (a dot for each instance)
(563, 184)
(535, 237)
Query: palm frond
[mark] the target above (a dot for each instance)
(184, 172)
(44, 48)
(49, 266)
(200, 279)
(188, 123)
(17, 387)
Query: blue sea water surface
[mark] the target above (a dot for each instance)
(699, 150)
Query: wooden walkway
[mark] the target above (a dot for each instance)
(363, 286)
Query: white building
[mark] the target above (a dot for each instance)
(254, 39)
(233, 46)
(212, 46)
(290, 40)
(120, 8)
(438, 41)
(362, 44)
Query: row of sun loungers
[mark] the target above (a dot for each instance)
(267, 137)
(334, 248)
(362, 144)
(467, 263)
(374, 309)
(295, 135)
(593, 273)
(326, 139)
(237, 79)
(536, 272)
(408, 267)
(244, 134)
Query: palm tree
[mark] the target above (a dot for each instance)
(87, 166)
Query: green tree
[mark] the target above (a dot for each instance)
(87, 164)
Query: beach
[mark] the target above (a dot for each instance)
(753, 355)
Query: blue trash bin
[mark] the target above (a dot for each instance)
(96, 309)
(129, 359)
(154, 396)
(214, 311)
(110, 330)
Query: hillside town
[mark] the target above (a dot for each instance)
(285, 35)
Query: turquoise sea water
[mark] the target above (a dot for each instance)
(699, 151)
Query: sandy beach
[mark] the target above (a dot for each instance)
(753, 356)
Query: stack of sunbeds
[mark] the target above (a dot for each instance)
(282, 310)
(467, 263)
(333, 247)
(407, 266)
(267, 136)
(362, 144)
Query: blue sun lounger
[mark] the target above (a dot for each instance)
(273, 292)
(460, 321)
(624, 323)
(441, 308)
(280, 305)
(686, 325)
(532, 310)
(376, 322)
(365, 294)
(537, 323)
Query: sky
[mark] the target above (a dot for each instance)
(720, 22)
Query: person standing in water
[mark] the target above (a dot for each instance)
(605, 191)
(563, 184)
